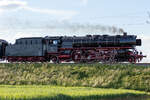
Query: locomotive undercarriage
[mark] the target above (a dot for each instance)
(25, 59)
(91, 55)
(85, 55)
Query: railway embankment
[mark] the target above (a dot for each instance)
(87, 75)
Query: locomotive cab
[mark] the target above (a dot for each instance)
(51, 44)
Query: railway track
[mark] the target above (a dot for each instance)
(138, 64)
(143, 64)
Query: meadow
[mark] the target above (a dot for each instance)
(86, 75)
(45, 81)
(39, 92)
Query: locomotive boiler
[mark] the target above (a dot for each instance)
(79, 49)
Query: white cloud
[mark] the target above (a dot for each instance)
(84, 2)
(8, 5)
(66, 14)
(13, 5)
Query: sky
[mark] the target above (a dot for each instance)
(29, 18)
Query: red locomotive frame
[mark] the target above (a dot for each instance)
(82, 55)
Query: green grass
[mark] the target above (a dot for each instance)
(87, 75)
(9, 92)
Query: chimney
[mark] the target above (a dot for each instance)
(125, 34)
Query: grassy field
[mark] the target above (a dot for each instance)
(9, 92)
(86, 75)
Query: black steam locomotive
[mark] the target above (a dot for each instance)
(86, 49)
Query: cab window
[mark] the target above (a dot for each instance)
(55, 42)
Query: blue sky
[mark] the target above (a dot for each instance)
(25, 18)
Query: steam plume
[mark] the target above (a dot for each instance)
(87, 28)
(61, 27)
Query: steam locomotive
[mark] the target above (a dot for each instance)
(78, 49)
